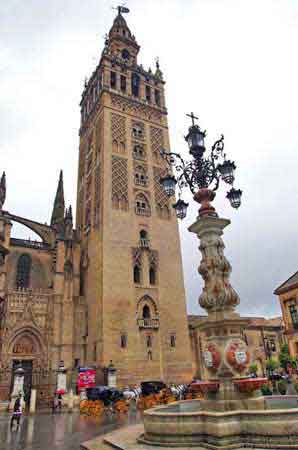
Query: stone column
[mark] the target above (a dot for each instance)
(32, 401)
(225, 353)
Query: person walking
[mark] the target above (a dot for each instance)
(17, 412)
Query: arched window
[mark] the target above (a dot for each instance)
(23, 271)
(149, 341)
(152, 275)
(146, 312)
(137, 274)
(135, 84)
(138, 131)
(139, 152)
(141, 176)
(142, 207)
(144, 239)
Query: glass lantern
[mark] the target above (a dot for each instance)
(181, 208)
(234, 196)
(169, 182)
(195, 140)
(226, 170)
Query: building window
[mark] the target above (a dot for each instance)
(137, 132)
(76, 363)
(144, 239)
(141, 178)
(23, 271)
(272, 344)
(152, 275)
(294, 315)
(149, 355)
(139, 152)
(113, 80)
(123, 83)
(142, 206)
(135, 84)
(157, 97)
(148, 94)
(173, 340)
(149, 341)
(137, 274)
(123, 340)
(146, 312)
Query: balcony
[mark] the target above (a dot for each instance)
(141, 181)
(144, 243)
(148, 323)
(142, 211)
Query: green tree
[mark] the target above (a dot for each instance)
(271, 365)
(284, 357)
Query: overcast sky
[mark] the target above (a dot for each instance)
(234, 63)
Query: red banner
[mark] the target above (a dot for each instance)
(86, 378)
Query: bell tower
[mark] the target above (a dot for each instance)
(131, 269)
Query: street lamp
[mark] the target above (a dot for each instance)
(202, 174)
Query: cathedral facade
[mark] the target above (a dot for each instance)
(112, 288)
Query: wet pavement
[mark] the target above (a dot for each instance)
(59, 431)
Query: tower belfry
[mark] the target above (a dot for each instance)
(131, 257)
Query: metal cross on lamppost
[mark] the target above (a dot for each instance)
(201, 174)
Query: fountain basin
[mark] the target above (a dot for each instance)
(249, 384)
(184, 424)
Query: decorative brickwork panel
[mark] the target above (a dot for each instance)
(119, 183)
(156, 142)
(161, 199)
(118, 125)
(97, 193)
(145, 112)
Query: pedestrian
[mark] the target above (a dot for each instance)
(17, 412)
(54, 403)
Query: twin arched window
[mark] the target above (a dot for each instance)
(23, 271)
(141, 176)
(142, 206)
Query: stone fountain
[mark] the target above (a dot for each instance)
(233, 413)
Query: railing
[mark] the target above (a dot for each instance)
(142, 211)
(140, 157)
(18, 298)
(144, 243)
(141, 182)
(148, 323)
(28, 243)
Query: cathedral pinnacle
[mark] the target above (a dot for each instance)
(57, 219)
(2, 190)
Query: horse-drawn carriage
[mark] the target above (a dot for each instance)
(154, 393)
(103, 398)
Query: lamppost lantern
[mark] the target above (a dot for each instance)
(226, 170)
(195, 140)
(201, 174)
(234, 195)
(169, 184)
(181, 208)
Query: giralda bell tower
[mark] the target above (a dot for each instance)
(131, 270)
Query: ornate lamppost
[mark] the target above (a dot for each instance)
(225, 353)
(201, 174)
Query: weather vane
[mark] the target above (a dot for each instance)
(122, 9)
